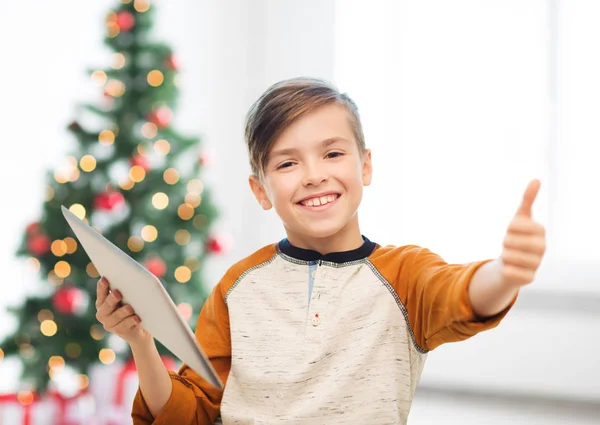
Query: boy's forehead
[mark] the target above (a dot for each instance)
(328, 123)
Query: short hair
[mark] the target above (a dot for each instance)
(282, 104)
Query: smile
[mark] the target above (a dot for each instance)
(320, 202)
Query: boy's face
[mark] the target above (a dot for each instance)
(314, 176)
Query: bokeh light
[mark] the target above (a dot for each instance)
(141, 5)
(48, 328)
(149, 130)
(87, 163)
(78, 210)
(135, 243)
(182, 237)
(127, 185)
(162, 146)
(58, 248)
(97, 332)
(171, 176)
(115, 88)
(118, 61)
(137, 173)
(107, 356)
(193, 199)
(149, 233)
(71, 245)
(45, 315)
(56, 362)
(91, 270)
(155, 78)
(106, 137)
(160, 200)
(84, 381)
(98, 77)
(195, 187)
(185, 211)
(183, 274)
(62, 269)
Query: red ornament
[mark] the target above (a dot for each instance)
(125, 21)
(206, 159)
(139, 160)
(173, 62)
(33, 229)
(68, 300)
(156, 266)
(218, 244)
(161, 117)
(39, 245)
(108, 201)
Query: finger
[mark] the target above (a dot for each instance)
(518, 275)
(527, 243)
(110, 304)
(526, 226)
(101, 291)
(118, 316)
(126, 325)
(528, 260)
(528, 198)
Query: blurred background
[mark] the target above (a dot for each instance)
(462, 103)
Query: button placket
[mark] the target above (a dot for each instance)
(313, 318)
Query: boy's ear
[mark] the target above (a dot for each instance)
(259, 193)
(367, 168)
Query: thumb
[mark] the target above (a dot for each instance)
(528, 198)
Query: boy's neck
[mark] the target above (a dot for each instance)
(347, 239)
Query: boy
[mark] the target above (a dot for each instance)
(324, 327)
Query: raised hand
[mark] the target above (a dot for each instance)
(525, 242)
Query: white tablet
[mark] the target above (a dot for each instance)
(147, 296)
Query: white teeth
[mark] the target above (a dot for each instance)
(315, 202)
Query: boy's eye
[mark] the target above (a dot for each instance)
(285, 165)
(334, 154)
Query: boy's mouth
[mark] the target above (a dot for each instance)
(319, 200)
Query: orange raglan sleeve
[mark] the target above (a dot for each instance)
(434, 294)
(193, 400)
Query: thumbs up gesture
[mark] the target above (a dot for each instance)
(524, 244)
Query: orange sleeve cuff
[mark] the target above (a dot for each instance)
(466, 324)
(180, 407)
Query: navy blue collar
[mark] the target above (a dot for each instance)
(335, 257)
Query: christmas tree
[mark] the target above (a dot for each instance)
(136, 180)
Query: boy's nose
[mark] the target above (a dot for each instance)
(314, 177)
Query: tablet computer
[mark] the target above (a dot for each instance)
(146, 294)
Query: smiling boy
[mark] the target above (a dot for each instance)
(325, 326)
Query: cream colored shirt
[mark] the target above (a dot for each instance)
(301, 338)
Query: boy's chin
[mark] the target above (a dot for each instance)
(321, 232)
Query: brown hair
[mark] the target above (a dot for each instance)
(283, 103)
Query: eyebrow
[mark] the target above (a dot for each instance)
(325, 143)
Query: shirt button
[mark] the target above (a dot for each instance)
(313, 274)
(315, 320)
